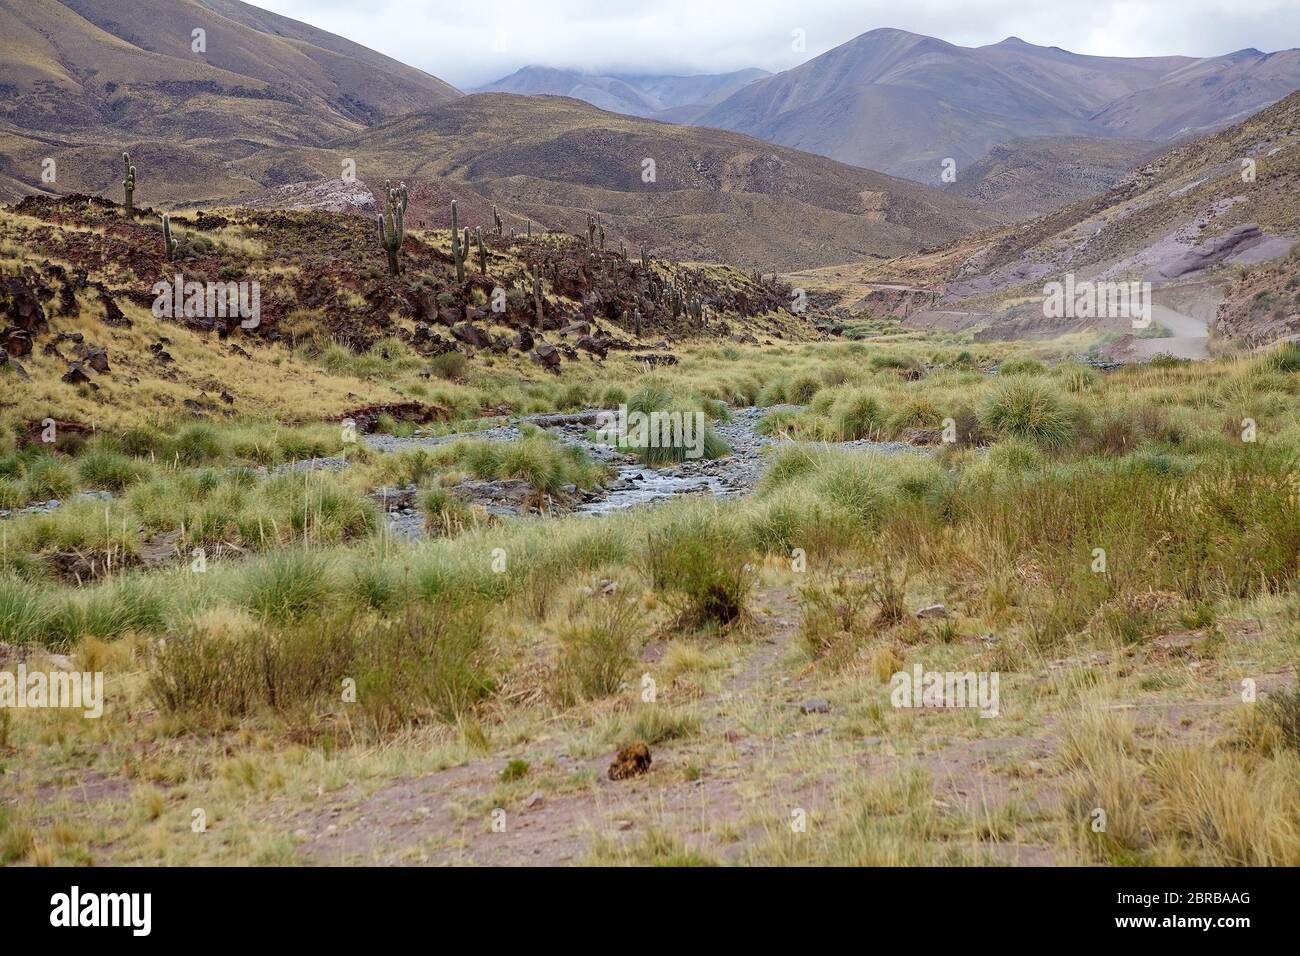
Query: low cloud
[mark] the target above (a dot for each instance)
(472, 45)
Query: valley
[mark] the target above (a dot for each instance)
(316, 383)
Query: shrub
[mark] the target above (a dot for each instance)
(101, 467)
(698, 561)
(1016, 457)
(597, 648)
(777, 423)
(49, 478)
(1027, 408)
(232, 671)
(195, 444)
(1022, 366)
(1282, 709)
(1285, 358)
(1077, 378)
(444, 513)
(432, 663)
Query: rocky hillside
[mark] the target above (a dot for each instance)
(1197, 213)
(1030, 177)
(80, 300)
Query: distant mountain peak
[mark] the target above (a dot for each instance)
(899, 102)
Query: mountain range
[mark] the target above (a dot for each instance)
(903, 103)
(219, 101)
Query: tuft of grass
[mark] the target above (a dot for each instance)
(22, 613)
(1028, 408)
(286, 586)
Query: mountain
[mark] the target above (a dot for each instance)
(127, 69)
(679, 99)
(714, 196)
(1204, 95)
(903, 103)
(272, 110)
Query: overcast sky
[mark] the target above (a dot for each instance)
(469, 44)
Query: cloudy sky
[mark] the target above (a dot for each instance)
(469, 44)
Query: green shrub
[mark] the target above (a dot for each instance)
(1285, 357)
(50, 478)
(449, 365)
(1078, 379)
(101, 467)
(698, 561)
(802, 389)
(444, 513)
(433, 662)
(196, 444)
(1022, 366)
(597, 648)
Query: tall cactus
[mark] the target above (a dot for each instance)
(645, 257)
(537, 294)
(496, 221)
(169, 244)
(457, 253)
(482, 251)
(392, 224)
(128, 185)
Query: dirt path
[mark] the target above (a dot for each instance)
(719, 791)
(1190, 339)
(446, 817)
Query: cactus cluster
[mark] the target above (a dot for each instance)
(128, 185)
(392, 224)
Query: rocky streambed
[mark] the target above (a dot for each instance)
(633, 484)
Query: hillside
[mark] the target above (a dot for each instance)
(128, 66)
(1191, 218)
(1032, 176)
(84, 79)
(715, 196)
(902, 103)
